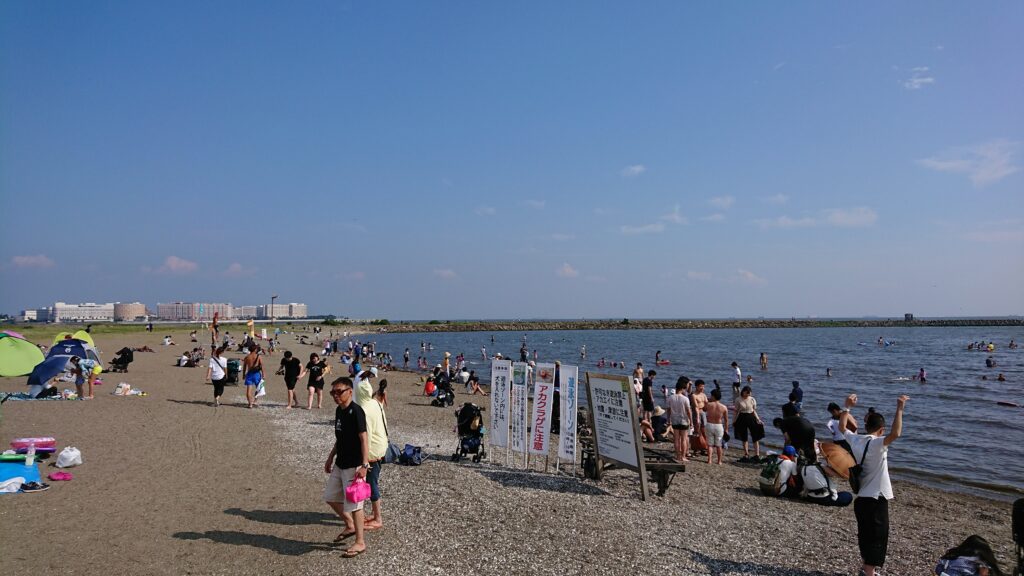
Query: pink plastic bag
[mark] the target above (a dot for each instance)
(357, 491)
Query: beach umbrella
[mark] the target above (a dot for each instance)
(49, 368)
(18, 356)
(13, 333)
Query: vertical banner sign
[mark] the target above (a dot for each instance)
(614, 429)
(543, 409)
(568, 381)
(501, 372)
(517, 416)
(263, 333)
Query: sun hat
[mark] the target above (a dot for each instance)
(658, 411)
(373, 371)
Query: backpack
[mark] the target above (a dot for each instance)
(768, 480)
(411, 456)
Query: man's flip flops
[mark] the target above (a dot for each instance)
(350, 553)
(343, 536)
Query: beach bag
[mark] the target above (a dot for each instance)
(857, 470)
(393, 453)
(768, 480)
(68, 457)
(357, 491)
(699, 443)
(261, 389)
(411, 456)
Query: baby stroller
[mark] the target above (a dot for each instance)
(470, 428)
(234, 367)
(124, 357)
(445, 394)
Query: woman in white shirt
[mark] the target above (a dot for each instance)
(217, 373)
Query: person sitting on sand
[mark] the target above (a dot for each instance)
(818, 489)
(474, 384)
(718, 423)
(168, 341)
(656, 428)
(185, 360)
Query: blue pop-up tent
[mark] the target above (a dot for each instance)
(73, 347)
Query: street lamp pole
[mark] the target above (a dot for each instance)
(272, 298)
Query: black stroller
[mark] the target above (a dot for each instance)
(445, 394)
(470, 428)
(124, 357)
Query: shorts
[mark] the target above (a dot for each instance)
(290, 382)
(747, 428)
(253, 378)
(334, 491)
(317, 384)
(648, 405)
(680, 426)
(373, 479)
(714, 434)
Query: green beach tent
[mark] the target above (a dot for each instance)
(17, 356)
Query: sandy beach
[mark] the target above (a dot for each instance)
(172, 485)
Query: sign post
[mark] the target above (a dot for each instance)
(501, 372)
(543, 410)
(517, 420)
(568, 377)
(616, 428)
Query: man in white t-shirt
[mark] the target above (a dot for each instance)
(871, 507)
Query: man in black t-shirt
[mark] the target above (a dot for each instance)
(647, 394)
(346, 462)
(290, 367)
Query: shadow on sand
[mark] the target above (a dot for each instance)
(718, 566)
(283, 546)
(537, 481)
(287, 517)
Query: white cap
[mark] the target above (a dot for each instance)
(373, 371)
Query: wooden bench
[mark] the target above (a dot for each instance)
(660, 464)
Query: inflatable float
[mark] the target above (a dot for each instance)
(663, 362)
(839, 460)
(41, 442)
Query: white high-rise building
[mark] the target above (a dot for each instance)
(84, 312)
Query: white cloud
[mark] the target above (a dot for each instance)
(33, 261)
(567, 271)
(713, 217)
(1002, 232)
(787, 222)
(175, 265)
(919, 78)
(559, 237)
(536, 204)
(445, 273)
(777, 199)
(655, 228)
(675, 217)
(859, 217)
(236, 270)
(633, 171)
(984, 163)
(749, 277)
(486, 211)
(722, 202)
(695, 275)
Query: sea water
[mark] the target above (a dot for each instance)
(955, 435)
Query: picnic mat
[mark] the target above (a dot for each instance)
(10, 470)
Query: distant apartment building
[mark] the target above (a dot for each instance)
(34, 315)
(194, 311)
(292, 310)
(245, 312)
(84, 312)
(126, 312)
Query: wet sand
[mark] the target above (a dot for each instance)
(171, 485)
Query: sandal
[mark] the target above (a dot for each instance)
(344, 536)
(350, 553)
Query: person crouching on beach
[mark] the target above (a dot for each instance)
(871, 506)
(347, 461)
(718, 422)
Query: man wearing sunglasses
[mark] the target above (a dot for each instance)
(347, 461)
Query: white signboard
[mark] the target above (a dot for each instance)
(543, 408)
(517, 416)
(611, 403)
(568, 377)
(263, 333)
(501, 373)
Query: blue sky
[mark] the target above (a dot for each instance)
(485, 160)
